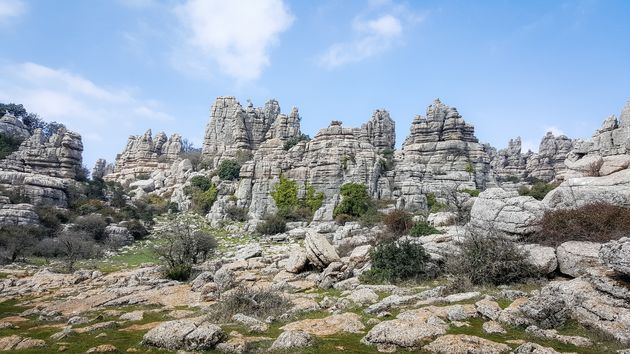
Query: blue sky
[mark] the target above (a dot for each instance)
(109, 69)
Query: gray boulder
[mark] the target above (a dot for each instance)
(291, 340)
(319, 251)
(188, 334)
(616, 255)
(575, 257)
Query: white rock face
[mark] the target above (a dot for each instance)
(575, 257)
(616, 255)
(576, 192)
(507, 212)
(296, 262)
(13, 127)
(442, 219)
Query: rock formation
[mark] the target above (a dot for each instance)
(144, 155)
(13, 127)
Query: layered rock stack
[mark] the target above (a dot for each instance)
(607, 152)
(144, 155)
(511, 162)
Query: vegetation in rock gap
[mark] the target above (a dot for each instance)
(489, 259)
(8, 145)
(229, 170)
(395, 261)
(274, 224)
(285, 194)
(596, 222)
(236, 213)
(294, 140)
(355, 200)
(203, 193)
(539, 190)
(433, 204)
(186, 241)
(423, 229)
(290, 206)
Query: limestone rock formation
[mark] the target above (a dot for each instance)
(58, 156)
(144, 155)
(441, 150)
(510, 162)
(548, 163)
(576, 192)
(17, 214)
(101, 168)
(381, 130)
(616, 254)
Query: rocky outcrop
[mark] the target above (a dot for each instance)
(101, 168)
(12, 127)
(319, 251)
(440, 151)
(576, 192)
(616, 255)
(17, 214)
(381, 130)
(509, 163)
(145, 155)
(506, 212)
(57, 156)
(189, 334)
(607, 151)
(548, 164)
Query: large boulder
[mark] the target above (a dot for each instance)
(465, 344)
(507, 212)
(576, 192)
(616, 255)
(188, 334)
(292, 340)
(319, 251)
(542, 257)
(575, 257)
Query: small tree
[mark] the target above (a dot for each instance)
(285, 194)
(93, 225)
(313, 199)
(76, 245)
(355, 200)
(17, 241)
(394, 261)
(398, 221)
(185, 241)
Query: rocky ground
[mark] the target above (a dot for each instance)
(137, 310)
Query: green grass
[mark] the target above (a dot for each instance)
(4, 275)
(518, 333)
(141, 252)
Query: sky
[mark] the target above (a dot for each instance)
(109, 69)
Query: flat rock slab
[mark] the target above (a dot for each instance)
(346, 322)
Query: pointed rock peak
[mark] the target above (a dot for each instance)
(148, 134)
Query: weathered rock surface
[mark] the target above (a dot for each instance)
(465, 344)
(575, 257)
(292, 340)
(335, 324)
(506, 212)
(185, 334)
(18, 214)
(616, 254)
(543, 258)
(576, 192)
(13, 127)
(319, 251)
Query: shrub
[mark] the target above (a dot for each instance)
(355, 200)
(186, 241)
(472, 192)
(596, 222)
(255, 302)
(398, 221)
(201, 183)
(400, 261)
(538, 190)
(17, 241)
(142, 176)
(202, 201)
(8, 145)
(423, 229)
(92, 225)
(136, 229)
(285, 194)
(489, 259)
(75, 245)
(371, 218)
(342, 219)
(433, 204)
(294, 140)
(229, 170)
(51, 218)
(272, 225)
(236, 213)
(313, 199)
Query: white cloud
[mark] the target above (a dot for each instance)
(100, 114)
(371, 36)
(11, 9)
(235, 35)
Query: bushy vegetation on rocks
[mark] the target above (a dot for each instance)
(423, 229)
(596, 222)
(395, 261)
(489, 259)
(539, 190)
(294, 140)
(290, 206)
(236, 213)
(229, 170)
(398, 221)
(355, 200)
(274, 224)
(203, 194)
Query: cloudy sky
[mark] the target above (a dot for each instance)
(113, 68)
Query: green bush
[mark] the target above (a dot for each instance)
(371, 217)
(538, 190)
(397, 261)
(433, 204)
(490, 259)
(472, 192)
(355, 200)
(596, 222)
(179, 272)
(8, 145)
(313, 199)
(93, 225)
(423, 229)
(398, 221)
(136, 229)
(272, 225)
(201, 183)
(229, 170)
(51, 218)
(285, 194)
(202, 201)
(294, 140)
(342, 219)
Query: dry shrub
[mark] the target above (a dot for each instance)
(489, 259)
(596, 222)
(398, 221)
(254, 302)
